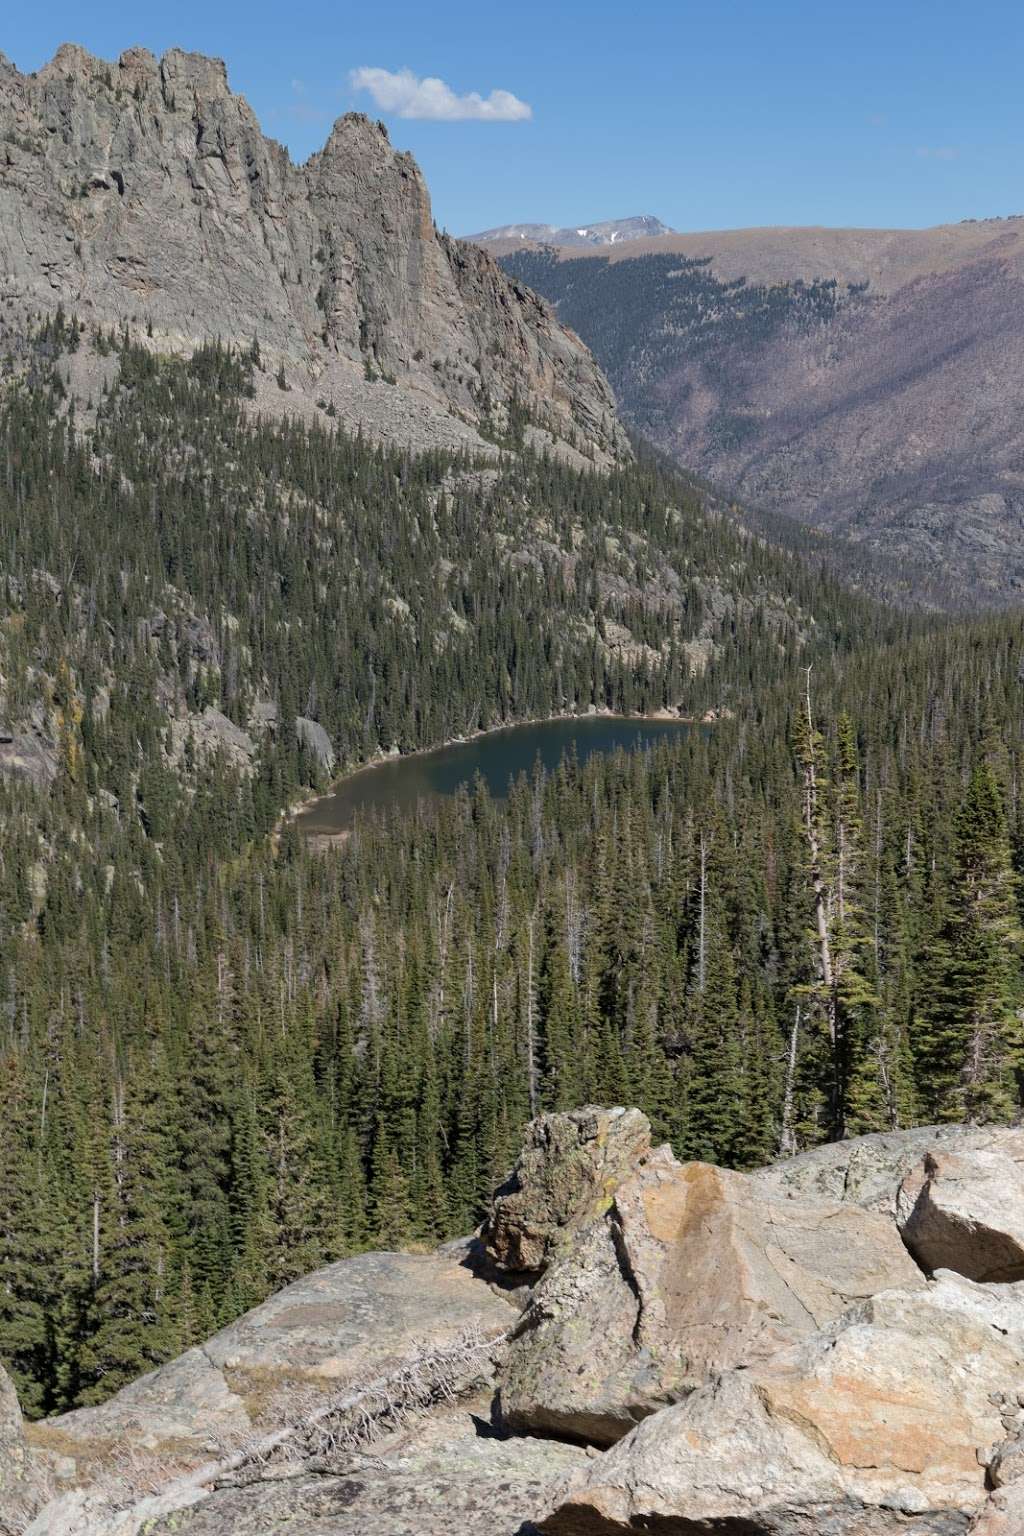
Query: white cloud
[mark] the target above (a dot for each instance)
(402, 92)
(938, 152)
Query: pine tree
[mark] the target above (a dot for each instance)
(133, 1323)
(970, 1041)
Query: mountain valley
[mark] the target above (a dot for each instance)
(865, 382)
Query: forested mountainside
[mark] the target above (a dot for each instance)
(226, 1061)
(204, 614)
(227, 1058)
(164, 530)
(144, 192)
(868, 384)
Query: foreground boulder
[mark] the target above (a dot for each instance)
(443, 1477)
(691, 1270)
(883, 1422)
(358, 1318)
(868, 1170)
(963, 1209)
(570, 1166)
(760, 1351)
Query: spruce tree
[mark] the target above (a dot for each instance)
(970, 1040)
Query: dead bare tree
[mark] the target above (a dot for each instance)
(317, 1431)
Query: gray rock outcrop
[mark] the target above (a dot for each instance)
(360, 1317)
(210, 734)
(443, 1477)
(144, 192)
(316, 740)
(964, 1210)
(760, 1352)
(881, 1423)
(27, 756)
(570, 1166)
(25, 1483)
(868, 1170)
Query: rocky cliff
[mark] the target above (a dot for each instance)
(832, 1345)
(144, 193)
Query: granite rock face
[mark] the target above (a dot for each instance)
(760, 1352)
(444, 1477)
(144, 192)
(316, 741)
(360, 1317)
(570, 1166)
(868, 1170)
(964, 1210)
(881, 1423)
(692, 1270)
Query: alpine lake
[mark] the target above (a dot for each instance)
(499, 757)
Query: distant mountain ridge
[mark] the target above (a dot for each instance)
(641, 226)
(868, 382)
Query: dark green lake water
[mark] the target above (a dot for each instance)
(499, 757)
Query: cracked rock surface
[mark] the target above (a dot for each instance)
(361, 1316)
(691, 1270)
(443, 1475)
(876, 1425)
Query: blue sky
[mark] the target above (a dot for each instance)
(710, 115)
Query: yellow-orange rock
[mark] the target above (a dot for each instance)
(881, 1423)
(691, 1271)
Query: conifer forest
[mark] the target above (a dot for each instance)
(229, 1055)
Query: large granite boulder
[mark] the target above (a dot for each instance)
(691, 1270)
(445, 1475)
(868, 1170)
(760, 1352)
(360, 1317)
(570, 1166)
(963, 1209)
(881, 1423)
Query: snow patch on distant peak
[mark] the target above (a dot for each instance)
(608, 232)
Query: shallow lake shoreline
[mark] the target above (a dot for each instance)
(305, 808)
